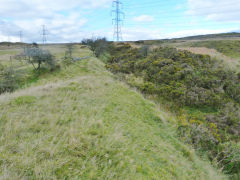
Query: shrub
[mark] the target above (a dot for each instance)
(144, 50)
(228, 158)
(99, 46)
(39, 56)
(8, 80)
(35, 45)
(188, 80)
(194, 80)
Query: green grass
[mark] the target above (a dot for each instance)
(4, 52)
(229, 48)
(81, 123)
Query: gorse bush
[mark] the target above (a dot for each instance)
(8, 79)
(188, 81)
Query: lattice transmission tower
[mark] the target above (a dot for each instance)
(44, 34)
(117, 20)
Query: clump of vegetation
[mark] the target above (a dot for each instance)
(205, 95)
(23, 100)
(8, 79)
(98, 46)
(68, 58)
(38, 56)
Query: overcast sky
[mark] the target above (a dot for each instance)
(73, 20)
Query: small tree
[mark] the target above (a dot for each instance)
(38, 56)
(35, 45)
(99, 46)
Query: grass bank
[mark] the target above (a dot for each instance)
(81, 123)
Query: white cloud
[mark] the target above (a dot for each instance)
(61, 17)
(144, 18)
(65, 19)
(132, 34)
(45, 8)
(219, 10)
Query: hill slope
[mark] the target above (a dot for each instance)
(80, 123)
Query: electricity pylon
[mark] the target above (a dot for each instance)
(44, 34)
(117, 20)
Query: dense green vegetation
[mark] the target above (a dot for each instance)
(204, 95)
(81, 123)
(229, 48)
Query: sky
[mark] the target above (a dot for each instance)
(74, 20)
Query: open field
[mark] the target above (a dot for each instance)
(81, 123)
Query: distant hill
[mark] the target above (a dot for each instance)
(232, 35)
(211, 36)
(11, 43)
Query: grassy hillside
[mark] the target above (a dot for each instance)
(201, 91)
(232, 35)
(81, 123)
(222, 36)
(223, 47)
(228, 48)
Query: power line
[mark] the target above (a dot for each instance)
(118, 20)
